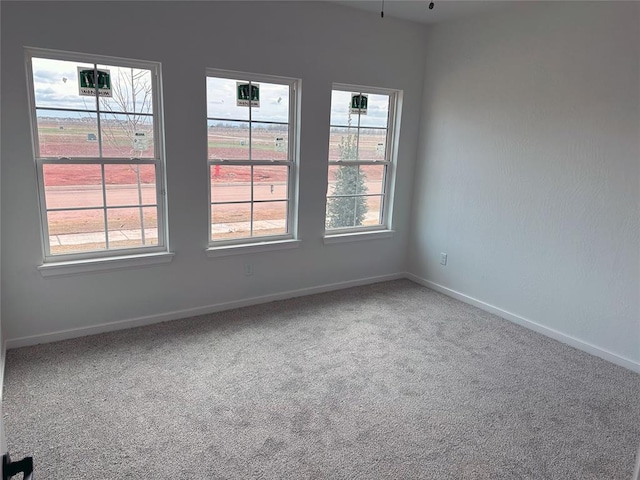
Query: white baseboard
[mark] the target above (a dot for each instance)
(531, 325)
(190, 312)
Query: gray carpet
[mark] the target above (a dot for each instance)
(389, 381)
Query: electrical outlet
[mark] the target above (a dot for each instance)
(443, 258)
(248, 269)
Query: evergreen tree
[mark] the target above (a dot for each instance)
(350, 180)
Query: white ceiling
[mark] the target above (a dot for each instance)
(418, 10)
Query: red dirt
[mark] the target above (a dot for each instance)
(78, 174)
(71, 141)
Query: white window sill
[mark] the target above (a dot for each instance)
(76, 267)
(357, 236)
(241, 249)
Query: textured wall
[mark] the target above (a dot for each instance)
(317, 42)
(528, 169)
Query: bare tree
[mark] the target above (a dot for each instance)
(132, 97)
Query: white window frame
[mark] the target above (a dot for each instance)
(119, 254)
(384, 228)
(261, 242)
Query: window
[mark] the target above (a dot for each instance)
(252, 150)
(361, 153)
(99, 155)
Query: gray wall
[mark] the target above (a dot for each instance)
(528, 169)
(319, 43)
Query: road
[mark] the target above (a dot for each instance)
(120, 195)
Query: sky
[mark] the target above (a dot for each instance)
(56, 86)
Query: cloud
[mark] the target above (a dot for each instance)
(50, 77)
(53, 97)
(45, 91)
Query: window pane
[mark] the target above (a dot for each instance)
(67, 134)
(347, 180)
(274, 103)
(269, 141)
(343, 144)
(374, 178)
(269, 218)
(340, 103)
(221, 100)
(129, 136)
(122, 221)
(377, 112)
(131, 90)
(69, 186)
(371, 144)
(228, 140)
(130, 184)
(345, 205)
(270, 182)
(230, 183)
(76, 231)
(372, 209)
(229, 221)
(55, 84)
(341, 212)
(132, 227)
(150, 225)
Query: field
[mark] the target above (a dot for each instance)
(128, 186)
